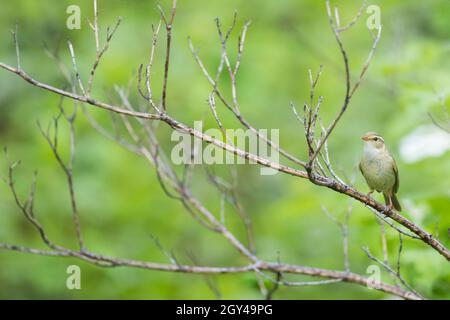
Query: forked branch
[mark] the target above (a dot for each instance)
(140, 127)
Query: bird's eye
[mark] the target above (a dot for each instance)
(375, 139)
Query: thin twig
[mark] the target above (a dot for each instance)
(16, 45)
(355, 19)
(169, 24)
(391, 271)
(74, 64)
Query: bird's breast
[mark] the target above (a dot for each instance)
(378, 171)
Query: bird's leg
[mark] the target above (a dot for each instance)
(370, 193)
(391, 204)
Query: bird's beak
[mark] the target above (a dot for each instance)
(365, 138)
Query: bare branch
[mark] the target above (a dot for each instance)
(169, 24)
(383, 241)
(348, 90)
(145, 143)
(100, 52)
(367, 63)
(321, 181)
(355, 19)
(343, 226)
(231, 108)
(67, 168)
(96, 27)
(75, 68)
(391, 271)
(16, 45)
(262, 266)
(27, 207)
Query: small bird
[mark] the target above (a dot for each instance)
(379, 169)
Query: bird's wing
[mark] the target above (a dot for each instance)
(397, 180)
(361, 169)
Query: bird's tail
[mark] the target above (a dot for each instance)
(394, 201)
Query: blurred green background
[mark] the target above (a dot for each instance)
(120, 201)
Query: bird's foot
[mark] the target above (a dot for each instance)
(386, 209)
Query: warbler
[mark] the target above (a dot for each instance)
(379, 169)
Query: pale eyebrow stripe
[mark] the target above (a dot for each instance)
(377, 136)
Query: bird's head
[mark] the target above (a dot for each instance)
(374, 140)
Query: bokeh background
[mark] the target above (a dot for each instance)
(121, 204)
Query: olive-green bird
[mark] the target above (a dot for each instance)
(379, 169)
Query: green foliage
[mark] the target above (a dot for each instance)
(120, 201)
